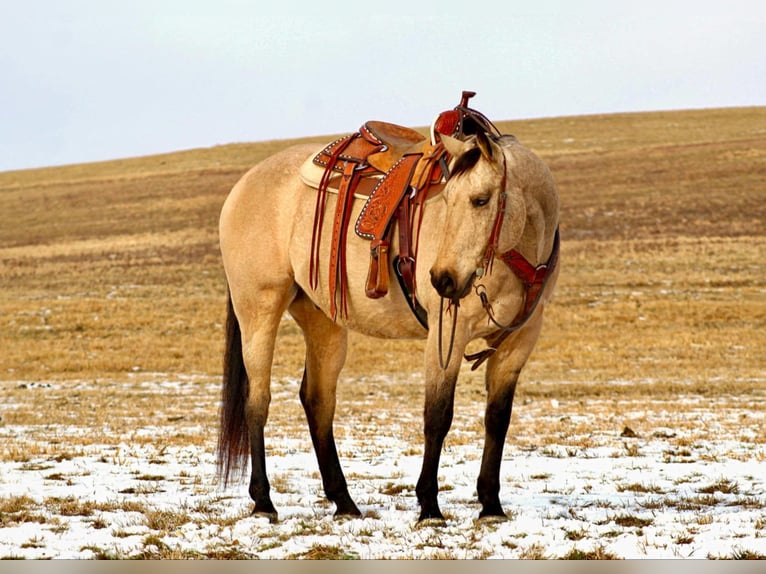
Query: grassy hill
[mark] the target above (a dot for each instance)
(113, 267)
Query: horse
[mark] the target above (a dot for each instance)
(499, 198)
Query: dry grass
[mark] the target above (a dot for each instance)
(113, 268)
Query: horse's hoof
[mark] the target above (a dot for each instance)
(272, 517)
(431, 522)
(492, 519)
(349, 510)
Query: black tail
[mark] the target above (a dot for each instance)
(233, 439)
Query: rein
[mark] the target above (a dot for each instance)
(442, 363)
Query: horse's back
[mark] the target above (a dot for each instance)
(265, 190)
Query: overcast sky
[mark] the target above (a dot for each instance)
(87, 80)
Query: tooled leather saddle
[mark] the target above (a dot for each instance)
(395, 169)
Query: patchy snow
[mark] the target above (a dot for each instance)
(631, 497)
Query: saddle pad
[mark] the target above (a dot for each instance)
(311, 174)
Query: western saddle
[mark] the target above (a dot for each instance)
(395, 169)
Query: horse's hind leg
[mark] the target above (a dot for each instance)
(259, 331)
(325, 354)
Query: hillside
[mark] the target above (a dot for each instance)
(113, 268)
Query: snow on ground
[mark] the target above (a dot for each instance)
(613, 494)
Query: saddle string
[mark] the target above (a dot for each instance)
(320, 208)
(442, 363)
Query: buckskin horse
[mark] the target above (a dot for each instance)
(476, 217)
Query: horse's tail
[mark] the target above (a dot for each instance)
(233, 439)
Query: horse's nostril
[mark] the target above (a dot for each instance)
(444, 284)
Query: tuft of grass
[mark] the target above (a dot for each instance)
(150, 477)
(15, 504)
(629, 521)
(70, 506)
(740, 554)
(100, 553)
(575, 534)
(598, 553)
(722, 485)
(684, 539)
(393, 489)
(166, 520)
(535, 551)
(99, 523)
(34, 542)
(325, 552)
(640, 487)
(229, 553)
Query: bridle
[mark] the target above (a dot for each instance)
(534, 279)
(485, 269)
(497, 226)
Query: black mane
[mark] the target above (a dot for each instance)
(466, 161)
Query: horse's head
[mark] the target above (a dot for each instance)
(485, 212)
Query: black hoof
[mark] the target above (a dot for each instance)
(491, 511)
(433, 522)
(267, 511)
(346, 514)
(346, 509)
(431, 516)
(492, 519)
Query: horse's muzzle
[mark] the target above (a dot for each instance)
(446, 285)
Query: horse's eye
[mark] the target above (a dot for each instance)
(480, 201)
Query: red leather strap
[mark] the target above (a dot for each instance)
(337, 273)
(534, 280)
(497, 226)
(523, 269)
(321, 202)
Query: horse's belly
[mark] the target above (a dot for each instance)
(383, 318)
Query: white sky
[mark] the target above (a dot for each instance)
(86, 80)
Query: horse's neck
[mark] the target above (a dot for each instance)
(541, 201)
(532, 243)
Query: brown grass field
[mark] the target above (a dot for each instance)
(110, 279)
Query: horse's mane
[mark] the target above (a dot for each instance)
(466, 161)
(470, 158)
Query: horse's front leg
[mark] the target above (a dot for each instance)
(437, 419)
(501, 376)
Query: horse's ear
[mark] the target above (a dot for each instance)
(454, 146)
(482, 141)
